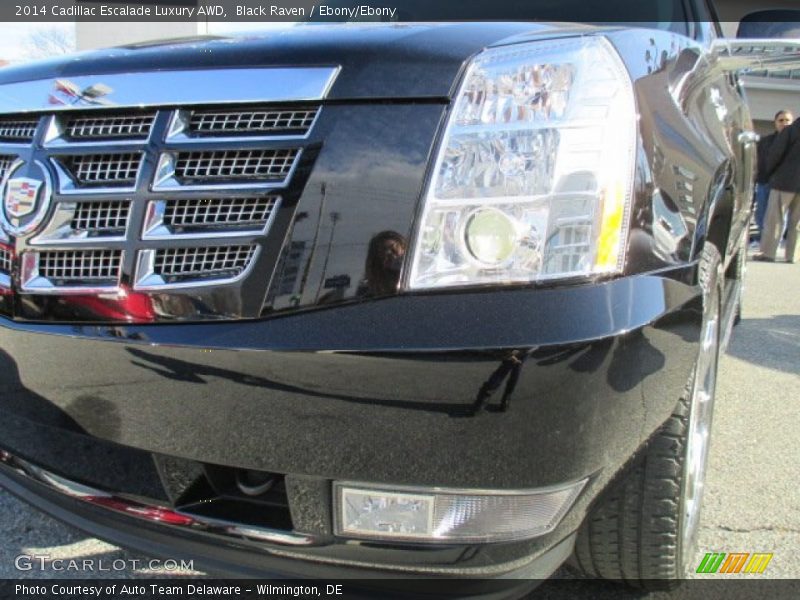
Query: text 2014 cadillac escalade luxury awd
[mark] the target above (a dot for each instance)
(438, 299)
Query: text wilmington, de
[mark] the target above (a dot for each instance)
(323, 10)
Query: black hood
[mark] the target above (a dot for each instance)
(379, 61)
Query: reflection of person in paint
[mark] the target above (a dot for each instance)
(384, 261)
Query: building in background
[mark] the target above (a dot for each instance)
(766, 93)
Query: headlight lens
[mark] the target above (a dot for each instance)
(534, 176)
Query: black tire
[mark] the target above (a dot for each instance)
(636, 532)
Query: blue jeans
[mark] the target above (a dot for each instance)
(762, 199)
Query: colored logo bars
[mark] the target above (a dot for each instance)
(21, 196)
(735, 562)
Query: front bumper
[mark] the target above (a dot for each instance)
(381, 392)
(239, 558)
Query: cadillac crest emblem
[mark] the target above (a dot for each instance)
(26, 193)
(20, 197)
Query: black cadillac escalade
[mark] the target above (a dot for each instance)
(406, 299)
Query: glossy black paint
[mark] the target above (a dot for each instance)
(367, 178)
(693, 176)
(378, 61)
(364, 169)
(339, 383)
(372, 155)
(275, 398)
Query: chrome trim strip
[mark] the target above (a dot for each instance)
(160, 88)
(151, 512)
(54, 132)
(155, 229)
(164, 179)
(148, 279)
(178, 124)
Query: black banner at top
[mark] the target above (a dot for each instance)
(593, 11)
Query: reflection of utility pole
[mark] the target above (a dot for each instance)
(323, 192)
(335, 216)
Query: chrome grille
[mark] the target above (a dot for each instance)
(6, 160)
(5, 260)
(235, 165)
(78, 266)
(189, 214)
(109, 126)
(262, 121)
(101, 217)
(176, 264)
(216, 176)
(18, 130)
(105, 169)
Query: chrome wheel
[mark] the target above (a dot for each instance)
(700, 413)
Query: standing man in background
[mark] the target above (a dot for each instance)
(782, 119)
(783, 165)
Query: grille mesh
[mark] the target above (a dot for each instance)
(5, 260)
(279, 121)
(101, 217)
(191, 214)
(80, 265)
(181, 263)
(235, 164)
(18, 130)
(109, 126)
(105, 169)
(5, 163)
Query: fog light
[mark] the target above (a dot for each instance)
(490, 236)
(440, 515)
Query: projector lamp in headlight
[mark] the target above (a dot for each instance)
(490, 236)
(534, 176)
(441, 515)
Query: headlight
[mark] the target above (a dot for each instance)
(534, 176)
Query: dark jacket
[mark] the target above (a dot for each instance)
(762, 151)
(783, 160)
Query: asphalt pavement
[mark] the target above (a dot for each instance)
(752, 497)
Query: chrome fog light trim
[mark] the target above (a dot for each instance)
(440, 515)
